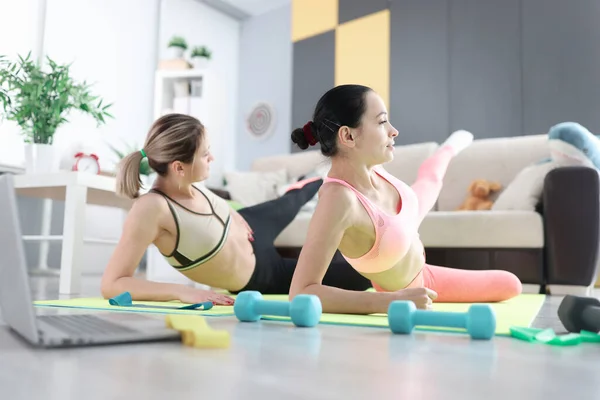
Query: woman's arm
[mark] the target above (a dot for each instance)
(141, 228)
(237, 216)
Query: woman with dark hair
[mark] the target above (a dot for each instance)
(197, 232)
(373, 218)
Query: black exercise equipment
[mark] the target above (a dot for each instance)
(580, 313)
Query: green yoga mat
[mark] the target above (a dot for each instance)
(519, 311)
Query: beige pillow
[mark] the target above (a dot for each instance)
(251, 188)
(525, 190)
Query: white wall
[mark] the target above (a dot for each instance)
(200, 24)
(265, 76)
(17, 36)
(116, 44)
(111, 43)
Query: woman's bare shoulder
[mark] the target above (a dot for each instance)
(336, 200)
(148, 206)
(336, 192)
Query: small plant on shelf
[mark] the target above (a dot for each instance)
(178, 46)
(200, 56)
(201, 51)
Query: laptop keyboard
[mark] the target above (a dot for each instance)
(84, 325)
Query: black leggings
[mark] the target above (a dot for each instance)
(273, 273)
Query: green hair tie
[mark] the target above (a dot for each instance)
(143, 153)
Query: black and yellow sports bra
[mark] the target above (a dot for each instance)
(200, 236)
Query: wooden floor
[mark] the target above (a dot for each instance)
(270, 360)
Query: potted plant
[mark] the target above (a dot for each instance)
(177, 46)
(39, 101)
(200, 56)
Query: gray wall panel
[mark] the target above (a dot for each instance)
(313, 74)
(419, 70)
(352, 9)
(485, 67)
(561, 63)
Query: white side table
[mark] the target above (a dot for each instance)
(76, 189)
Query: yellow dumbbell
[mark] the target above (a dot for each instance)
(195, 332)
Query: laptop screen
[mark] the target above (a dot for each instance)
(15, 296)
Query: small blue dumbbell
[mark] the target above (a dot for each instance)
(479, 321)
(305, 309)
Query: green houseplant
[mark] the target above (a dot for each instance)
(178, 45)
(39, 101)
(200, 56)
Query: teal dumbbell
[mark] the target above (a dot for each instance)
(305, 310)
(479, 320)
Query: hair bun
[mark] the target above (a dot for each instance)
(299, 138)
(309, 133)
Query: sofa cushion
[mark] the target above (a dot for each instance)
(294, 235)
(404, 166)
(250, 187)
(466, 229)
(525, 191)
(482, 229)
(498, 159)
(408, 159)
(296, 164)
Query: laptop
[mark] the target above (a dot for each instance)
(64, 330)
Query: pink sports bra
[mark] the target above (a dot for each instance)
(394, 234)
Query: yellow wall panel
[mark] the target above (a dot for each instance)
(313, 17)
(362, 53)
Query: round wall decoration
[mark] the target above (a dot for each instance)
(261, 121)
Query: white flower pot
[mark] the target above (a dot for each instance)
(199, 62)
(41, 158)
(175, 52)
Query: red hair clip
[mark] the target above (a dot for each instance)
(308, 133)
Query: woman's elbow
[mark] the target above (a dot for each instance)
(108, 287)
(298, 289)
(106, 290)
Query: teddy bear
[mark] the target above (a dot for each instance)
(479, 195)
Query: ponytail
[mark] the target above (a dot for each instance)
(128, 177)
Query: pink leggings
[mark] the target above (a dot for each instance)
(465, 286)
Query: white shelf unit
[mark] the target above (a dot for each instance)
(168, 99)
(164, 91)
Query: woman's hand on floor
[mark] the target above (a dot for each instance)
(190, 295)
(422, 297)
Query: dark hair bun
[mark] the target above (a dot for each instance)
(299, 138)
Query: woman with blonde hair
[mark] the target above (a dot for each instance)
(197, 232)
